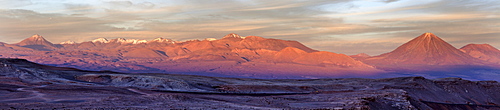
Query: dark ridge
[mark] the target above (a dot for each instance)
(49, 67)
(237, 94)
(450, 106)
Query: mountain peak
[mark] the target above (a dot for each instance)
(288, 54)
(429, 37)
(35, 40)
(127, 41)
(480, 46)
(36, 36)
(426, 42)
(483, 52)
(427, 49)
(428, 34)
(210, 39)
(232, 35)
(161, 40)
(100, 40)
(68, 42)
(360, 55)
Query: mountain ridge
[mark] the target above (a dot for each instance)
(232, 54)
(251, 56)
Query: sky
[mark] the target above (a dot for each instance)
(341, 26)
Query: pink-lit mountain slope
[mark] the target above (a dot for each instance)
(232, 55)
(329, 58)
(9, 47)
(483, 52)
(426, 49)
(288, 54)
(37, 42)
(360, 56)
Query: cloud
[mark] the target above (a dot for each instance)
(15, 3)
(341, 26)
(17, 24)
(79, 8)
(389, 1)
(120, 4)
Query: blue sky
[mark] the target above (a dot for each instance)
(340, 26)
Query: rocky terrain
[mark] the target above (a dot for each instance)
(27, 85)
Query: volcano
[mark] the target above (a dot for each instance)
(37, 42)
(427, 49)
(483, 52)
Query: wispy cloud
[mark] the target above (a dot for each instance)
(342, 26)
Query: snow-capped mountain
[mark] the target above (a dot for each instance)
(100, 40)
(127, 41)
(68, 42)
(161, 40)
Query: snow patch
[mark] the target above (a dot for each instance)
(100, 40)
(162, 40)
(210, 39)
(68, 42)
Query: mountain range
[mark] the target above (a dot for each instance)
(258, 57)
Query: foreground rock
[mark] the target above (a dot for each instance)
(26, 85)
